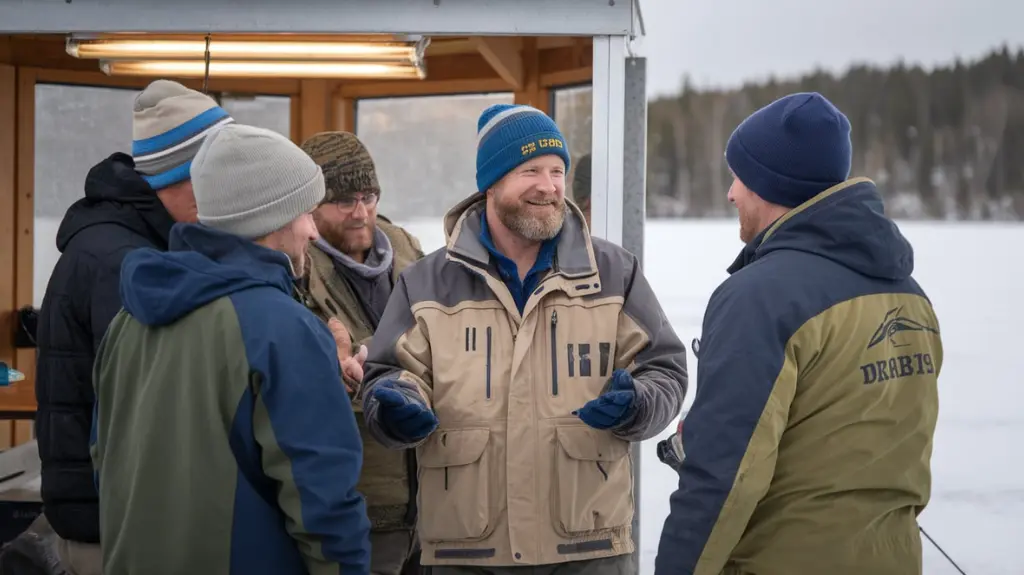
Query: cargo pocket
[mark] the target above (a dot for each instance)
(454, 486)
(593, 490)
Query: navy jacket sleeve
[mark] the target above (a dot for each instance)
(745, 383)
(304, 423)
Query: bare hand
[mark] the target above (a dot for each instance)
(351, 365)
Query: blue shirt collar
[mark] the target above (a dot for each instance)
(509, 271)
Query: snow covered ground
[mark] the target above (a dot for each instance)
(977, 508)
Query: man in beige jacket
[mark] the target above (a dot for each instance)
(521, 361)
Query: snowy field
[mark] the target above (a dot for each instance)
(977, 507)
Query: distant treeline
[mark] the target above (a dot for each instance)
(941, 144)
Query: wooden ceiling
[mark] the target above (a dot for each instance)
(454, 65)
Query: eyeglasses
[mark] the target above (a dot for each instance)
(348, 204)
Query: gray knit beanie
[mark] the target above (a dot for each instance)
(250, 181)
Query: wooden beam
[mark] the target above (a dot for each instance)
(451, 45)
(17, 218)
(459, 67)
(575, 77)
(315, 113)
(6, 51)
(503, 54)
(8, 269)
(295, 120)
(567, 65)
(344, 114)
(532, 93)
(548, 42)
(24, 225)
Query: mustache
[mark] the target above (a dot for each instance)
(544, 201)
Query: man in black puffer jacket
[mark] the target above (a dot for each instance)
(130, 202)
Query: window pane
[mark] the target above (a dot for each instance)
(270, 112)
(424, 149)
(76, 127)
(573, 112)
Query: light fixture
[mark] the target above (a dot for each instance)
(188, 49)
(262, 69)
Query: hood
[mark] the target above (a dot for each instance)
(203, 264)
(846, 224)
(116, 194)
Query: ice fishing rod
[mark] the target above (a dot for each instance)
(941, 550)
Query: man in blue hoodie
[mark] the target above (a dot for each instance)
(223, 439)
(807, 447)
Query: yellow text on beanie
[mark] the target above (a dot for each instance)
(250, 181)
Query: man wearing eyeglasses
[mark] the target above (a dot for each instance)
(352, 269)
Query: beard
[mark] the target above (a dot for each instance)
(532, 222)
(748, 227)
(336, 236)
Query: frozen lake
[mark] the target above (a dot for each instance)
(977, 507)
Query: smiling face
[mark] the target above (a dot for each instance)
(530, 200)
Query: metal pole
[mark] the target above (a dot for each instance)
(616, 140)
(634, 213)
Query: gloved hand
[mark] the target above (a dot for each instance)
(407, 420)
(670, 450)
(612, 407)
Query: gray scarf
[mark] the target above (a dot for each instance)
(378, 261)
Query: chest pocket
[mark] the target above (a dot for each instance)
(471, 371)
(580, 351)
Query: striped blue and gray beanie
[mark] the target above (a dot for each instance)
(511, 134)
(169, 124)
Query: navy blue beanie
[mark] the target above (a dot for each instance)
(792, 149)
(508, 135)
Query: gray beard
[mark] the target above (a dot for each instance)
(529, 227)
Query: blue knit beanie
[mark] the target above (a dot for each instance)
(792, 149)
(508, 135)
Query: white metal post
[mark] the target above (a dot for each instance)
(608, 153)
(607, 142)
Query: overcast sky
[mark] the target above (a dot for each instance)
(725, 42)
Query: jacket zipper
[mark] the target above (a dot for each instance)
(554, 354)
(488, 362)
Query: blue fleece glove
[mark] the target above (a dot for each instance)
(612, 407)
(407, 420)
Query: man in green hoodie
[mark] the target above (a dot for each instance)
(223, 439)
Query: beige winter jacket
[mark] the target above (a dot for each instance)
(511, 476)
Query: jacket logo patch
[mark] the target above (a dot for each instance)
(898, 366)
(895, 323)
(582, 362)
